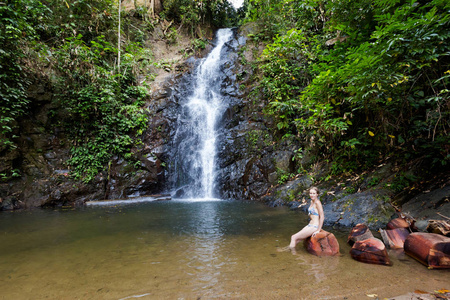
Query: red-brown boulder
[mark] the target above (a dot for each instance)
(394, 238)
(397, 223)
(431, 249)
(371, 251)
(359, 233)
(322, 244)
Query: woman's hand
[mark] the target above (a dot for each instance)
(315, 232)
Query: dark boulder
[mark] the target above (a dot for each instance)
(429, 205)
(368, 207)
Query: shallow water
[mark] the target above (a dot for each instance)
(186, 250)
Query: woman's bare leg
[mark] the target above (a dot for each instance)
(301, 235)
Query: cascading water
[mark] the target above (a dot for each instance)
(195, 137)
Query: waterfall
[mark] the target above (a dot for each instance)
(195, 137)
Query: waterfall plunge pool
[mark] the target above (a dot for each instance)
(188, 249)
(183, 249)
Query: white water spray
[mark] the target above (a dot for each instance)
(196, 133)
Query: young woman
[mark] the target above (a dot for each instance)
(315, 212)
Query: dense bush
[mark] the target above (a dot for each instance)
(191, 14)
(18, 23)
(100, 101)
(101, 106)
(360, 80)
(104, 105)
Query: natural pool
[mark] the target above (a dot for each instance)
(186, 250)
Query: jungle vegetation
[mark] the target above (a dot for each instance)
(355, 81)
(358, 81)
(74, 46)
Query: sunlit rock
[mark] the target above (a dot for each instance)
(397, 223)
(394, 238)
(371, 251)
(322, 244)
(431, 249)
(359, 232)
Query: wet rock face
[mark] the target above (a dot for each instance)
(249, 162)
(245, 166)
(40, 160)
(367, 207)
(36, 164)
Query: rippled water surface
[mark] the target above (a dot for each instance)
(186, 250)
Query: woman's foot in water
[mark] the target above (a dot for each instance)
(284, 249)
(287, 249)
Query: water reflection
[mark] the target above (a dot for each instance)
(170, 250)
(206, 238)
(319, 268)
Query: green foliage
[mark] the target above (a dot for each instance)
(90, 18)
(276, 17)
(359, 80)
(17, 25)
(191, 14)
(285, 72)
(199, 44)
(283, 176)
(374, 181)
(104, 106)
(402, 181)
(172, 36)
(100, 108)
(6, 176)
(257, 140)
